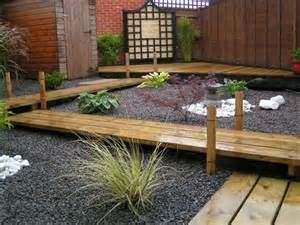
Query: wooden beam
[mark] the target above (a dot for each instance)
(211, 140)
(239, 111)
(9, 92)
(42, 90)
(127, 64)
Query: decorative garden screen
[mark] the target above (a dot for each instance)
(148, 30)
(184, 4)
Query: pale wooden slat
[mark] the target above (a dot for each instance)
(28, 100)
(261, 206)
(152, 133)
(290, 209)
(199, 68)
(225, 203)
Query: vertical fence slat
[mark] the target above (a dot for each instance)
(127, 64)
(239, 111)
(155, 66)
(211, 140)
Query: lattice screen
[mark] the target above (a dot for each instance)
(148, 30)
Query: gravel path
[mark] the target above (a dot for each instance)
(36, 196)
(133, 105)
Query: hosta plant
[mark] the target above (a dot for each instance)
(232, 86)
(103, 102)
(118, 174)
(155, 80)
(54, 80)
(4, 116)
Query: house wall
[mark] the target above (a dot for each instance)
(110, 14)
(38, 17)
(257, 33)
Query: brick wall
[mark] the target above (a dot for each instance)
(110, 14)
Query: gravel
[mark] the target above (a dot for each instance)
(135, 105)
(40, 194)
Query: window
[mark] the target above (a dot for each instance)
(184, 4)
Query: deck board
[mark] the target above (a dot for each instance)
(200, 68)
(226, 202)
(28, 100)
(290, 209)
(247, 145)
(261, 206)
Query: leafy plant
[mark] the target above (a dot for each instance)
(186, 36)
(109, 48)
(232, 86)
(296, 54)
(54, 80)
(13, 48)
(4, 116)
(119, 174)
(103, 101)
(155, 80)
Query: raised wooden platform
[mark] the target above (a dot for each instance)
(252, 200)
(200, 68)
(242, 144)
(110, 84)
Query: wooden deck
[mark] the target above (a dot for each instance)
(28, 100)
(242, 144)
(200, 68)
(252, 200)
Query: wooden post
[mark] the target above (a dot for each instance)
(239, 111)
(155, 67)
(42, 90)
(291, 171)
(127, 62)
(211, 140)
(9, 92)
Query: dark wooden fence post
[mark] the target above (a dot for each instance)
(211, 140)
(239, 111)
(9, 92)
(42, 90)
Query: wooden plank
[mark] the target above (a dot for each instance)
(176, 136)
(261, 205)
(226, 202)
(28, 100)
(290, 209)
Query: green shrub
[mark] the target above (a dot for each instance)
(109, 48)
(155, 80)
(296, 54)
(103, 101)
(54, 80)
(186, 36)
(4, 116)
(118, 174)
(13, 47)
(232, 86)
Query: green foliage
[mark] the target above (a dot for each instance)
(13, 48)
(109, 48)
(2, 88)
(118, 174)
(155, 80)
(103, 101)
(54, 80)
(296, 54)
(186, 36)
(4, 116)
(232, 86)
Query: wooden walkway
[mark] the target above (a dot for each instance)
(199, 68)
(252, 200)
(28, 100)
(242, 144)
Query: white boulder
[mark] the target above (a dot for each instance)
(268, 104)
(9, 166)
(279, 99)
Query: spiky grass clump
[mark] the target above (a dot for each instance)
(118, 174)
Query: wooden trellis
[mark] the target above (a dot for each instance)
(150, 29)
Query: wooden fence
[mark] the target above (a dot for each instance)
(257, 32)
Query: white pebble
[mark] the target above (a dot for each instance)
(279, 99)
(268, 104)
(9, 166)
